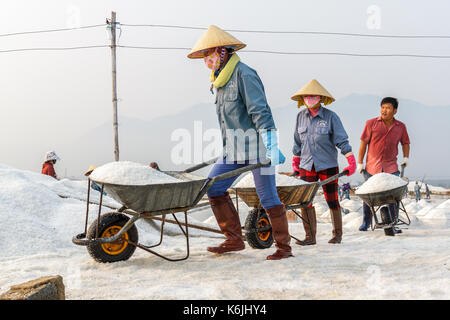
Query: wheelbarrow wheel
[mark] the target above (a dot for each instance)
(119, 250)
(257, 219)
(387, 219)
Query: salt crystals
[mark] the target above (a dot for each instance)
(381, 182)
(130, 173)
(281, 180)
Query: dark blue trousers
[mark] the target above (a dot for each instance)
(392, 207)
(264, 182)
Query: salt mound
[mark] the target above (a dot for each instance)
(433, 189)
(417, 208)
(381, 182)
(36, 220)
(444, 205)
(352, 220)
(130, 173)
(441, 212)
(351, 205)
(280, 179)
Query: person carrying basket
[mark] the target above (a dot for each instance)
(318, 131)
(244, 115)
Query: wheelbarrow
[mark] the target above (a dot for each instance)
(258, 230)
(114, 237)
(379, 201)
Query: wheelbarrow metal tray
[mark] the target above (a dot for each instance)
(288, 195)
(383, 197)
(157, 197)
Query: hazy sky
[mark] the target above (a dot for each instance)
(53, 96)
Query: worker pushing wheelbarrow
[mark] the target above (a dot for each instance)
(243, 113)
(114, 237)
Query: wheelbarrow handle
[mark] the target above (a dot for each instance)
(200, 165)
(239, 171)
(210, 181)
(336, 176)
(402, 170)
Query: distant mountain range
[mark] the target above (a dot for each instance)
(146, 141)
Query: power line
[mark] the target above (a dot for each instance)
(51, 30)
(295, 32)
(302, 53)
(244, 51)
(235, 30)
(54, 49)
(351, 54)
(154, 48)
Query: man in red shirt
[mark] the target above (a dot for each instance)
(381, 137)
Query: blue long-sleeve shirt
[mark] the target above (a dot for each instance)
(316, 139)
(243, 114)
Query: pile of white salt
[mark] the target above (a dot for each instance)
(381, 182)
(130, 173)
(281, 180)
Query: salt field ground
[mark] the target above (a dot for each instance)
(37, 226)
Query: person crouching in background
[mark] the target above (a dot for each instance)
(49, 161)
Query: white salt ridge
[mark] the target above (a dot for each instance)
(280, 179)
(130, 173)
(441, 212)
(433, 189)
(381, 182)
(352, 205)
(38, 227)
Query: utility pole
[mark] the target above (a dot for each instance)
(112, 23)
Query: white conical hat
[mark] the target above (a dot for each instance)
(214, 37)
(51, 155)
(313, 88)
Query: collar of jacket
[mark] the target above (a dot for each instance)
(225, 75)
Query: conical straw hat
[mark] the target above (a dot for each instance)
(212, 38)
(313, 88)
(91, 168)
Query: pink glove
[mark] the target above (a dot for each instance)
(352, 165)
(296, 164)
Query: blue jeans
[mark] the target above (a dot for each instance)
(392, 207)
(265, 183)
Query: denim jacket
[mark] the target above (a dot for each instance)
(243, 113)
(316, 139)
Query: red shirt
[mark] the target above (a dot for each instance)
(47, 168)
(383, 145)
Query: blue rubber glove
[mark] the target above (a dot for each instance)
(270, 140)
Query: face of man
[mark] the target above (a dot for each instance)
(387, 111)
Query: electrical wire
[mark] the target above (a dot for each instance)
(303, 53)
(54, 49)
(296, 32)
(243, 51)
(231, 30)
(235, 30)
(51, 30)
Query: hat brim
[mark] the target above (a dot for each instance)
(300, 102)
(313, 88)
(214, 37)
